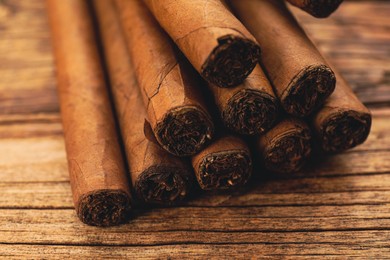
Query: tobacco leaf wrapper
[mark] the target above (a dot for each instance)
(170, 87)
(215, 42)
(157, 176)
(225, 164)
(251, 107)
(301, 77)
(286, 147)
(344, 122)
(317, 8)
(97, 176)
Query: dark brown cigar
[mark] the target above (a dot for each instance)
(300, 75)
(317, 8)
(97, 176)
(171, 91)
(215, 42)
(157, 176)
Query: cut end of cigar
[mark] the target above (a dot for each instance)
(288, 152)
(308, 90)
(322, 8)
(345, 130)
(104, 208)
(231, 61)
(250, 112)
(163, 185)
(224, 170)
(184, 131)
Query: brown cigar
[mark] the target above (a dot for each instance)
(97, 175)
(224, 164)
(344, 122)
(170, 86)
(215, 42)
(286, 147)
(157, 176)
(250, 108)
(317, 8)
(300, 75)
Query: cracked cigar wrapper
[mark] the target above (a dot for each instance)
(317, 8)
(286, 147)
(301, 77)
(343, 122)
(170, 87)
(156, 175)
(97, 176)
(214, 41)
(250, 108)
(225, 164)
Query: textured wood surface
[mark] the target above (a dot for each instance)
(338, 206)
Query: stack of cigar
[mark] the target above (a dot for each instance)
(150, 68)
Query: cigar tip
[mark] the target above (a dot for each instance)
(288, 152)
(224, 170)
(163, 185)
(345, 130)
(231, 61)
(185, 130)
(250, 112)
(322, 8)
(308, 90)
(104, 208)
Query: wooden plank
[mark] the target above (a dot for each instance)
(196, 251)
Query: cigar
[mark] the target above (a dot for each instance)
(344, 122)
(215, 42)
(317, 8)
(97, 176)
(301, 77)
(251, 107)
(171, 88)
(157, 176)
(225, 164)
(286, 147)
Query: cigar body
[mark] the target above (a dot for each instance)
(251, 107)
(97, 176)
(225, 164)
(286, 147)
(344, 122)
(317, 8)
(156, 175)
(301, 77)
(215, 42)
(173, 97)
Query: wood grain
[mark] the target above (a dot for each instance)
(338, 206)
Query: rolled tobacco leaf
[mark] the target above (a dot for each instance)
(156, 175)
(225, 164)
(286, 147)
(251, 107)
(170, 87)
(344, 122)
(301, 77)
(214, 41)
(317, 8)
(97, 176)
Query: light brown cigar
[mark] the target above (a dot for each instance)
(215, 42)
(97, 176)
(224, 164)
(301, 77)
(157, 176)
(175, 106)
(317, 8)
(286, 147)
(344, 122)
(250, 108)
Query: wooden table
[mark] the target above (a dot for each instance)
(339, 205)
